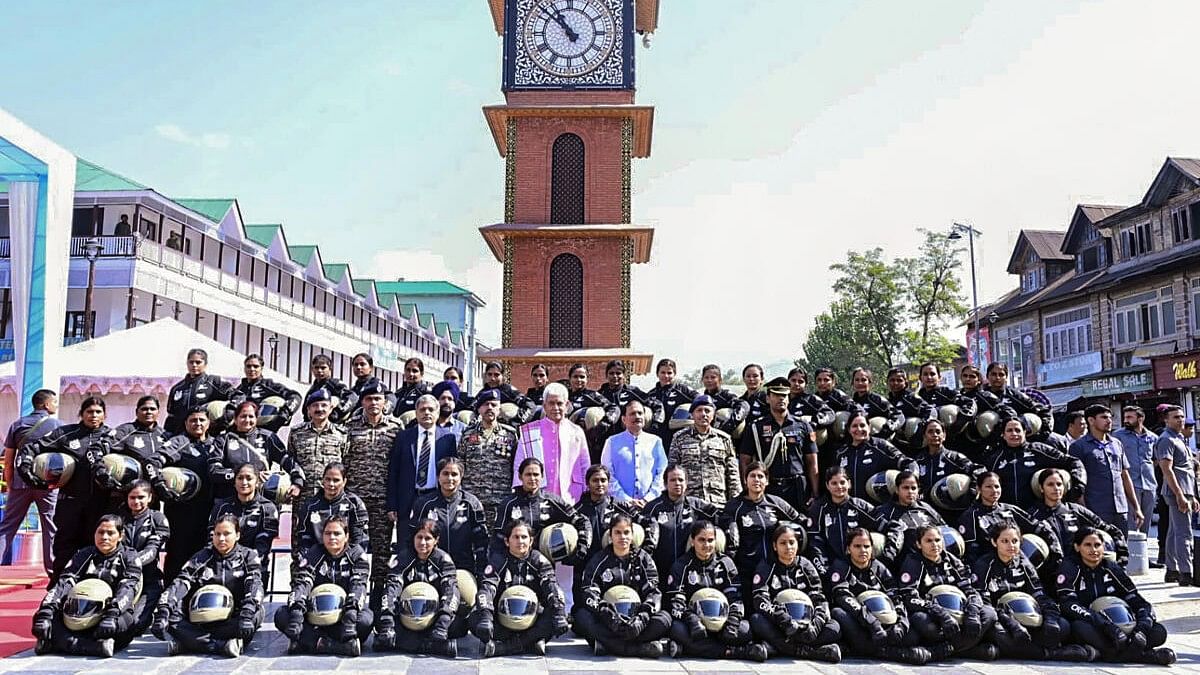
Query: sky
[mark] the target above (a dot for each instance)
(786, 133)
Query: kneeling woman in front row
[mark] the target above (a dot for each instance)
(517, 583)
(862, 596)
(708, 618)
(946, 612)
(620, 609)
(789, 610)
(1105, 608)
(215, 604)
(89, 609)
(327, 611)
(1029, 623)
(423, 592)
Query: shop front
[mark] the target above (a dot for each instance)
(1179, 375)
(1120, 387)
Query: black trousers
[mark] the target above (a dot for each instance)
(1086, 633)
(929, 633)
(589, 625)
(522, 641)
(857, 641)
(310, 634)
(712, 645)
(207, 638)
(76, 519)
(189, 534)
(1033, 648)
(765, 629)
(85, 643)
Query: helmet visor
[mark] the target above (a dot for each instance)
(518, 607)
(82, 607)
(1118, 614)
(877, 603)
(1022, 606)
(625, 607)
(712, 609)
(949, 601)
(799, 611)
(211, 600)
(419, 607)
(326, 602)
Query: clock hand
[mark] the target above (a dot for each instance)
(558, 18)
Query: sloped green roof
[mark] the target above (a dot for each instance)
(363, 286)
(422, 288)
(213, 209)
(385, 299)
(408, 310)
(426, 320)
(262, 233)
(456, 337)
(301, 254)
(94, 178)
(442, 329)
(335, 271)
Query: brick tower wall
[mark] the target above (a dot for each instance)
(602, 160)
(601, 258)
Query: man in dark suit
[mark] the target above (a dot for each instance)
(412, 466)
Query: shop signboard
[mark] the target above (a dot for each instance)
(1177, 371)
(1103, 385)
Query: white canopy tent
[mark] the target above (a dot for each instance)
(128, 364)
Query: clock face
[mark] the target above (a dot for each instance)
(569, 38)
(568, 44)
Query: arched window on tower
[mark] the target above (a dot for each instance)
(566, 181)
(566, 302)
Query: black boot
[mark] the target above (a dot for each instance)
(1078, 653)
(1172, 576)
(1162, 656)
(942, 651)
(915, 656)
(645, 650)
(828, 653)
(751, 652)
(984, 651)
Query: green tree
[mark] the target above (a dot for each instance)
(870, 290)
(841, 339)
(931, 297)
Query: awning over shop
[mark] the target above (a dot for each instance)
(1061, 396)
(1131, 380)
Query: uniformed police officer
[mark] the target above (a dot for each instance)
(420, 560)
(245, 443)
(582, 398)
(198, 388)
(750, 519)
(364, 379)
(146, 533)
(255, 387)
(308, 521)
(938, 462)
(673, 512)
(865, 455)
(493, 381)
(461, 522)
(707, 455)
(189, 450)
(346, 401)
(997, 384)
(318, 441)
(909, 405)
(619, 392)
(486, 450)
(1016, 459)
(370, 437)
(539, 377)
(671, 394)
(413, 388)
(805, 405)
(874, 404)
(258, 518)
(786, 445)
(600, 509)
(141, 439)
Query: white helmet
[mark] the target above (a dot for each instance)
(879, 604)
(325, 604)
(418, 606)
(1023, 608)
(210, 604)
(517, 608)
(712, 607)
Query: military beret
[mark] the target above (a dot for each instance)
(485, 396)
(703, 399)
(373, 388)
(321, 394)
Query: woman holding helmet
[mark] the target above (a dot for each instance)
(988, 511)
(1105, 609)
(245, 443)
(89, 610)
(258, 517)
(215, 604)
(708, 618)
(789, 612)
(187, 491)
(327, 611)
(422, 591)
(620, 607)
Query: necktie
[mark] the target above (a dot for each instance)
(423, 459)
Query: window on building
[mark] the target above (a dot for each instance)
(1092, 258)
(1067, 333)
(566, 302)
(567, 180)
(1195, 283)
(85, 221)
(1181, 229)
(1136, 240)
(1033, 279)
(1145, 316)
(76, 324)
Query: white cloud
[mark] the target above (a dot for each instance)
(483, 276)
(209, 140)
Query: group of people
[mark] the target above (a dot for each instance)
(919, 526)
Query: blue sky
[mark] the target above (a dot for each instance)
(786, 132)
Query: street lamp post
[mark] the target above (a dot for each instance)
(91, 250)
(956, 232)
(274, 342)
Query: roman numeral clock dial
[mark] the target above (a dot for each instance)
(569, 44)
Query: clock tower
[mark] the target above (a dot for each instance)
(568, 131)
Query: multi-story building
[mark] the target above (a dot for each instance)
(1109, 310)
(242, 284)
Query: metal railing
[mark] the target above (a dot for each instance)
(114, 247)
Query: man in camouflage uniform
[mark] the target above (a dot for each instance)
(316, 443)
(371, 436)
(486, 451)
(708, 456)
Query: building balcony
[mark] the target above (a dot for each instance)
(113, 247)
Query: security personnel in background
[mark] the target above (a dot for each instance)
(539, 376)
(619, 393)
(755, 395)
(80, 501)
(724, 399)
(486, 452)
(414, 387)
(786, 445)
(671, 394)
(803, 404)
(318, 441)
(255, 387)
(323, 379)
(141, 439)
(197, 388)
(364, 378)
(493, 381)
(907, 403)
(369, 440)
(865, 455)
(707, 455)
(110, 562)
(874, 404)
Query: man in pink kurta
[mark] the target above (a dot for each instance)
(559, 443)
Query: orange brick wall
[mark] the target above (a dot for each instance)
(601, 260)
(602, 152)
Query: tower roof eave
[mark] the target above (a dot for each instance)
(643, 237)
